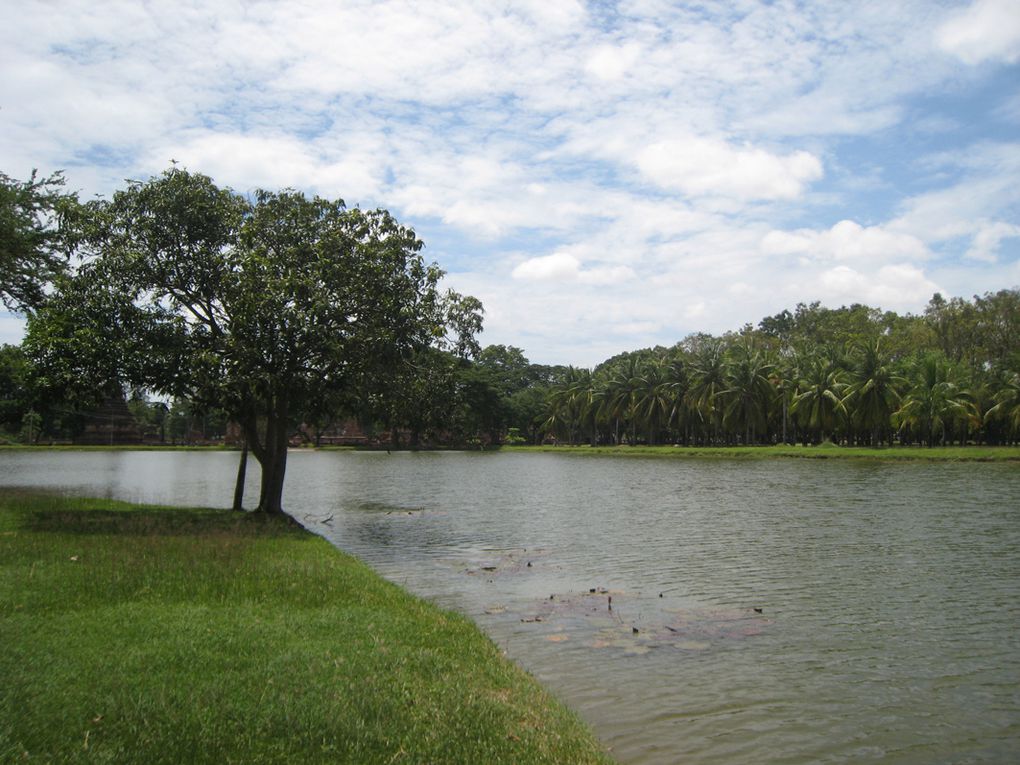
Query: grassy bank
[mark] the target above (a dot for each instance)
(159, 635)
(825, 451)
(117, 447)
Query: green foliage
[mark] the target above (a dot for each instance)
(31, 242)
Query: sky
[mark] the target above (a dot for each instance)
(603, 176)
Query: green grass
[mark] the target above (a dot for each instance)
(825, 451)
(162, 635)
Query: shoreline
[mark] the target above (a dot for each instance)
(970, 453)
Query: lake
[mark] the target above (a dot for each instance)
(697, 610)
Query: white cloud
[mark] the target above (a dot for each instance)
(980, 202)
(712, 167)
(987, 29)
(646, 167)
(985, 245)
(846, 241)
(246, 162)
(12, 329)
(611, 62)
(556, 267)
(564, 267)
(899, 287)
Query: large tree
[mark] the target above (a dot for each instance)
(266, 307)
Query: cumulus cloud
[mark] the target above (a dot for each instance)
(611, 62)
(556, 267)
(564, 267)
(897, 287)
(633, 171)
(985, 30)
(712, 167)
(246, 162)
(985, 245)
(847, 240)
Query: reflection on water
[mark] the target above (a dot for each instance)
(692, 611)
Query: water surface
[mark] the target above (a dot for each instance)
(770, 612)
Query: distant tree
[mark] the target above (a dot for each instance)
(954, 323)
(780, 326)
(998, 328)
(509, 367)
(15, 401)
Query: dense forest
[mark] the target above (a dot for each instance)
(201, 308)
(850, 375)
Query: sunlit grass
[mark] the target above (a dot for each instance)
(146, 634)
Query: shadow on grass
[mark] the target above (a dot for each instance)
(74, 515)
(156, 523)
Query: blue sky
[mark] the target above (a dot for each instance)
(604, 176)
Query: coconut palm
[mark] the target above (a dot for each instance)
(569, 405)
(709, 380)
(748, 392)
(619, 395)
(1007, 402)
(873, 389)
(818, 403)
(678, 386)
(653, 399)
(936, 399)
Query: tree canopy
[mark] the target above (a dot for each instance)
(268, 307)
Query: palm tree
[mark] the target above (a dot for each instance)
(873, 391)
(709, 380)
(617, 402)
(678, 386)
(749, 390)
(1007, 402)
(570, 404)
(818, 402)
(652, 399)
(935, 400)
(784, 377)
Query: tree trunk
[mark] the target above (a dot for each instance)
(242, 469)
(271, 453)
(271, 490)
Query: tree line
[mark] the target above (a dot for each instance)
(853, 375)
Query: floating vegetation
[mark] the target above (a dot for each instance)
(640, 624)
(504, 562)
